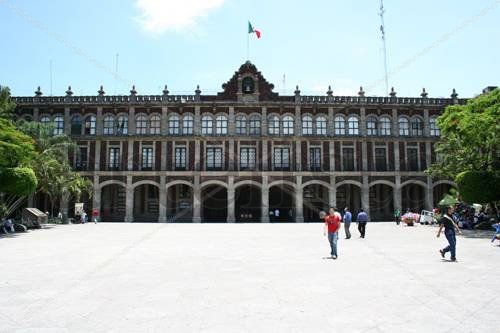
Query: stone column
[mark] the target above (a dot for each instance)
(331, 152)
(97, 156)
(397, 195)
(298, 156)
(427, 131)
(298, 121)
(364, 156)
(332, 193)
(197, 121)
(99, 124)
(164, 121)
(230, 200)
(131, 120)
(129, 200)
(362, 121)
(330, 128)
(197, 152)
(231, 128)
(395, 124)
(397, 162)
(365, 196)
(162, 216)
(231, 155)
(265, 200)
(36, 114)
(164, 156)
(96, 196)
(428, 158)
(67, 121)
(196, 200)
(299, 201)
(130, 155)
(429, 195)
(264, 121)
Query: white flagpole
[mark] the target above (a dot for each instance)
(248, 43)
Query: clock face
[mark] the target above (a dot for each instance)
(248, 85)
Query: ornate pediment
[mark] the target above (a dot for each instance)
(247, 85)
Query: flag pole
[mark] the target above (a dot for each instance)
(248, 44)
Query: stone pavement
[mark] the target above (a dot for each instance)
(244, 278)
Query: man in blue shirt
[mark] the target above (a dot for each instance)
(362, 219)
(347, 222)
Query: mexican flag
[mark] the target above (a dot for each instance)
(252, 30)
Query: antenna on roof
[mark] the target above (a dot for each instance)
(382, 29)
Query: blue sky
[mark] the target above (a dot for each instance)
(438, 45)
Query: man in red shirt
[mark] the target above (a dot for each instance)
(332, 225)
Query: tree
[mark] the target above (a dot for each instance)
(469, 147)
(17, 178)
(470, 137)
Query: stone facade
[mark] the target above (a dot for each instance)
(247, 151)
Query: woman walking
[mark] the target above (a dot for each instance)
(449, 226)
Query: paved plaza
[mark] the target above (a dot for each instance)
(244, 278)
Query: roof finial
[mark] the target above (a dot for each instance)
(454, 94)
(392, 93)
(101, 91)
(197, 91)
(297, 90)
(69, 92)
(133, 92)
(38, 92)
(165, 91)
(329, 92)
(424, 93)
(361, 92)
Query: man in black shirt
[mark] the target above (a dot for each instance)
(449, 226)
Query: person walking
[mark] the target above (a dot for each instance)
(347, 222)
(362, 219)
(332, 226)
(397, 216)
(449, 226)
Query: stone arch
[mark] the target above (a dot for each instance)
(248, 201)
(381, 200)
(179, 182)
(113, 200)
(444, 181)
(247, 182)
(146, 202)
(352, 182)
(414, 181)
(213, 182)
(142, 182)
(110, 182)
(384, 182)
(283, 182)
(318, 182)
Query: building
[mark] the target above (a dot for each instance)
(246, 152)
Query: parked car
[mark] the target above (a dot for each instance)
(427, 217)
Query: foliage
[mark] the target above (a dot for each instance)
(470, 137)
(16, 148)
(18, 181)
(6, 104)
(479, 186)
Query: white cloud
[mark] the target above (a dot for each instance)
(159, 16)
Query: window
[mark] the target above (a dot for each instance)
(241, 125)
(155, 125)
(81, 159)
(315, 159)
(174, 125)
(339, 125)
(122, 125)
(247, 159)
(109, 125)
(320, 125)
(255, 125)
(434, 129)
(353, 124)
(348, 159)
(180, 158)
(76, 125)
(187, 125)
(214, 158)
(58, 125)
(385, 126)
(371, 126)
(221, 125)
(417, 127)
(141, 124)
(147, 158)
(281, 158)
(287, 125)
(45, 119)
(412, 159)
(380, 160)
(274, 125)
(90, 125)
(307, 125)
(207, 125)
(114, 158)
(404, 129)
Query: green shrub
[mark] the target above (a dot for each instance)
(479, 186)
